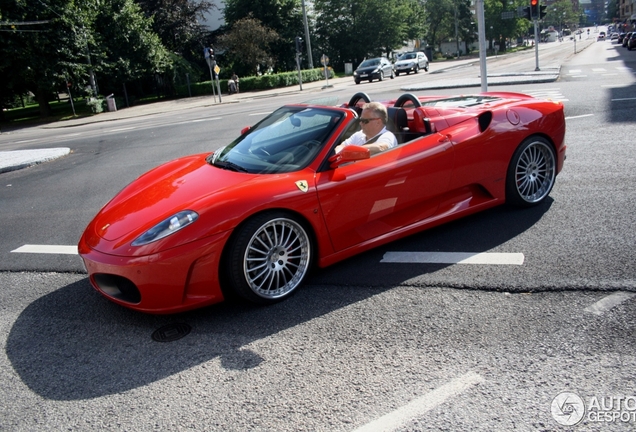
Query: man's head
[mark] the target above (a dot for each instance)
(373, 118)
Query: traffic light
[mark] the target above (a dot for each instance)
(299, 41)
(525, 13)
(542, 11)
(534, 8)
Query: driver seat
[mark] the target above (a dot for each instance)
(398, 123)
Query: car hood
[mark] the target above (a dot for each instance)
(367, 69)
(405, 62)
(221, 197)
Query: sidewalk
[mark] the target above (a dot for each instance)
(13, 160)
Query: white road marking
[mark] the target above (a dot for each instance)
(599, 70)
(573, 71)
(203, 119)
(47, 249)
(258, 114)
(454, 258)
(606, 303)
(622, 99)
(581, 116)
(122, 129)
(418, 407)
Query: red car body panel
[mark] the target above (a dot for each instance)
(458, 169)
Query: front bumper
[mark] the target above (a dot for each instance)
(176, 280)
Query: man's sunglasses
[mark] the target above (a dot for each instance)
(367, 120)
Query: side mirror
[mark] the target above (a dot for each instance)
(245, 130)
(348, 154)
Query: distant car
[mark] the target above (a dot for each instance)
(620, 39)
(631, 43)
(601, 36)
(411, 62)
(614, 36)
(375, 68)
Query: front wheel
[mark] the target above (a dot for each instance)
(531, 172)
(381, 78)
(269, 257)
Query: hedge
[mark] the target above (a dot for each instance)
(252, 83)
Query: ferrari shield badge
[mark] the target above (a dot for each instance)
(302, 185)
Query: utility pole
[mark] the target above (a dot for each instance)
(309, 56)
(481, 30)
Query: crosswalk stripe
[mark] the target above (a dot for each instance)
(492, 258)
(47, 249)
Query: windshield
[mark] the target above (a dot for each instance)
(285, 141)
(407, 56)
(369, 63)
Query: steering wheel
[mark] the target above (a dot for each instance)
(407, 97)
(357, 97)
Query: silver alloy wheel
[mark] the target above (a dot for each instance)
(535, 172)
(277, 258)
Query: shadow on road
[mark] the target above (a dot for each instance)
(72, 344)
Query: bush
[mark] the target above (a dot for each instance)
(96, 104)
(251, 83)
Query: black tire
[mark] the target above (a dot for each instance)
(357, 81)
(381, 78)
(426, 68)
(531, 173)
(392, 74)
(417, 68)
(269, 257)
(397, 73)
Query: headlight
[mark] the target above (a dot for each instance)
(166, 227)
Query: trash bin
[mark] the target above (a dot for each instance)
(429, 53)
(110, 103)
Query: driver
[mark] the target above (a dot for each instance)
(373, 134)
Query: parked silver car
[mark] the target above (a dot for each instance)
(411, 62)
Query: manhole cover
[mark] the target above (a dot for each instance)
(171, 332)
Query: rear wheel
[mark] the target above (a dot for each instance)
(269, 257)
(531, 172)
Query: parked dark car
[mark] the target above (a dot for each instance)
(621, 37)
(626, 39)
(375, 68)
(631, 43)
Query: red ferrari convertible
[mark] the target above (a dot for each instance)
(252, 218)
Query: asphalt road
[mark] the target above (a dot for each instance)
(366, 344)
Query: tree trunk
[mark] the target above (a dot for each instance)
(45, 109)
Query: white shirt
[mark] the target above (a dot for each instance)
(358, 138)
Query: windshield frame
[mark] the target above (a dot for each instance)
(287, 140)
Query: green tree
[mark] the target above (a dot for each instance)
(247, 45)
(350, 31)
(499, 30)
(177, 22)
(79, 39)
(284, 17)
